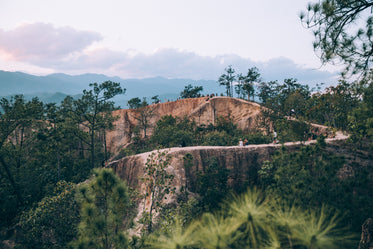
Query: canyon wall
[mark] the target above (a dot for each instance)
(243, 163)
(203, 110)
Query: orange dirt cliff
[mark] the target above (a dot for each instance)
(201, 110)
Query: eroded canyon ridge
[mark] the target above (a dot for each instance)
(201, 110)
(243, 162)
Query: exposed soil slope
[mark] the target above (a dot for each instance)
(201, 110)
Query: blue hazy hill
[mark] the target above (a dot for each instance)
(53, 87)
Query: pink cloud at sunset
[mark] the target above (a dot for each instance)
(40, 42)
(45, 48)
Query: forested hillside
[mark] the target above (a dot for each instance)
(266, 164)
(47, 149)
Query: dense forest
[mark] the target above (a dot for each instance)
(48, 150)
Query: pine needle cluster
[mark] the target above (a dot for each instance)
(253, 220)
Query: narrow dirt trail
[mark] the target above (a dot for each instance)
(339, 136)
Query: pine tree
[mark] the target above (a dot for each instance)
(227, 79)
(105, 205)
(341, 33)
(93, 112)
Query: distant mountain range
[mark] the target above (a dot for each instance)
(55, 87)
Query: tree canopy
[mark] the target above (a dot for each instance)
(227, 79)
(134, 103)
(252, 76)
(93, 111)
(105, 205)
(191, 92)
(343, 31)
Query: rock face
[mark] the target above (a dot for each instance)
(243, 163)
(202, 110)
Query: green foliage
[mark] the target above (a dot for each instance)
(361, 118)
(254, 220)
(9, 206)
(172, 132)
(226, 124)
(251, 213)
(313, 176)
(93, 112)
(134, 103)
(224, 133)
(245, 86)
(158, 185)
(332, 106)
(216, 231)
(239, 87)
(43, 144)
(174, 217)
(291, 130)
(217, 138)
(155, 99)
(342, 33)
(283, 98)
(308, 169)
(144, 114)
(105, 211)
(53, 222)
(61, 142)
(23, 180)
(285, 107)
(212, 184)
(267, 91)
(176, 237)
(191, 92)
(257, 138)
(227, 80)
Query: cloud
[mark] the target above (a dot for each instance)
(39, 42)
(68, 50)
(283, 68)
(174, 63)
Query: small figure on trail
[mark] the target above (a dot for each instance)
(246, 142)
(275, 141)
(240, 143)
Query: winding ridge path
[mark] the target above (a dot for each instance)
(339, 136)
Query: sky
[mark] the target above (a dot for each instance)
(194, 39)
